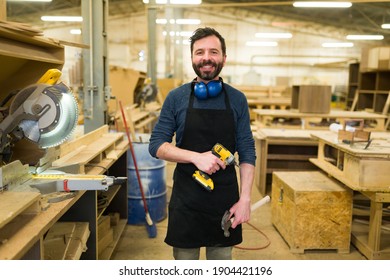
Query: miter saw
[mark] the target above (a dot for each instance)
(45, 113)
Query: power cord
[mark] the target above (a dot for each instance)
(255, 248)
(96, 165)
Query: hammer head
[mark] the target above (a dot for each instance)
(226, 223)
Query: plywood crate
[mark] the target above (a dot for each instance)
(311, 211)
(311, 98)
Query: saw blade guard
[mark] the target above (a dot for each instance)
(55, 113)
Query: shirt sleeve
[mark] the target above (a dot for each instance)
(164, 129)
(244, 136)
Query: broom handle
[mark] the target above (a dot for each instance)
(134, 160)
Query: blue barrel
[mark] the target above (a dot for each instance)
(153, 180)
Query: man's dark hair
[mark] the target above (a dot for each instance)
(201, 33)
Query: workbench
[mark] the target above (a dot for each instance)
(366, 171)
(282, 150)
(292, 119)
(24, 234)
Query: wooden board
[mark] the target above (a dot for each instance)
(92, 149)
(289, 119)
(57, 241)
(78, 244)
(13, 204)
(311, 211)
(66, 241)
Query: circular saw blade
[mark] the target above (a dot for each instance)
(57, 110)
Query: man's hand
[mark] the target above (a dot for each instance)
(208, 163)
(241, 212)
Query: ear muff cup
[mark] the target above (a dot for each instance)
(211, 89)
(214, 88)
(200, 91)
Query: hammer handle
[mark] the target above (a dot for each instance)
(261, 202)
(256, 205)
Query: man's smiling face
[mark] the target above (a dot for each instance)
(207, 58)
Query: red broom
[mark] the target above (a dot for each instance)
(150, 226)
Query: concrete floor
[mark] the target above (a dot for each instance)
(260, 243)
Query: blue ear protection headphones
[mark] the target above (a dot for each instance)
(211, 89)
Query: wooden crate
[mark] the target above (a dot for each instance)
(311, 211)
(311, 98)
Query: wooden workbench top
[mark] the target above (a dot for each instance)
(332, 113)
(379, 147)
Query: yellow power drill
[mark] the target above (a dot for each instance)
(223, 154)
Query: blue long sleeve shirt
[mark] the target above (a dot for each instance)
(173, 114)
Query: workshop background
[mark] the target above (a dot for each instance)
(80, 96)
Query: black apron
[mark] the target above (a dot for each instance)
(194, 213)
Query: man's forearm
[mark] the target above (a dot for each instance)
(247, 174)
(169, 152)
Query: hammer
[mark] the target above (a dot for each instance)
(226, 223)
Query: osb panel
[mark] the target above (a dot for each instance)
(311, 211)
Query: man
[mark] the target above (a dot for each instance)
(203, 113)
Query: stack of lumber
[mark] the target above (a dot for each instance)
(107, 233)
(66, 241)
(138, 119)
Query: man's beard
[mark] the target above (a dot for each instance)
(207, 76)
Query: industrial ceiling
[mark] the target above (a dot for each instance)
(364, 17)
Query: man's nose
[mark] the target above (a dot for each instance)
(206, 56)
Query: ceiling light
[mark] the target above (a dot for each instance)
(29, 0)
(190, 2)
(338, 45)
(261, 44)
(176, 2)
(178, 33)
(364, 37)
(188, 21)
(157, 1)
(386, 26)
(75, 31)
(321, 4)
(274, 35)
(161, 21)
(62, 18)
(178, 21)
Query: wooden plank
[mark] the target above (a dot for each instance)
(104, 225)
(118, 229)
(84, 140)
(103, 147)
(57, 240)
(13, 204)
(66, 241)
(32, 228)
(105, 241)
(3, 9)
(78, 243)
(387, 105)
(302, 120)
